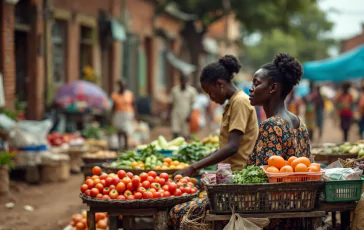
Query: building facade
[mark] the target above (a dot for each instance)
(45, 44)
(353, 42)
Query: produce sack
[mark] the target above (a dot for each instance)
(238, 223)
(358, 222)
(6, 122)
(38, 128)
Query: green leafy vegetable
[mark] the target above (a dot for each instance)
(250, 175)
(191, 152)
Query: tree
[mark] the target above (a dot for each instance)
(254, 16)
(308, 41)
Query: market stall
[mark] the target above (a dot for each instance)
(328, 153)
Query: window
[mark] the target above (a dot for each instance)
(59, 51)
(86, 48)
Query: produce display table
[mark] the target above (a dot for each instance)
(330, 158)
(343, 207)
(217, 220)
(160, 216)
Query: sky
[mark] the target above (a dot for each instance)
(349, 18)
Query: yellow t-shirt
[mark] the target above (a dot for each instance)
(239, 115)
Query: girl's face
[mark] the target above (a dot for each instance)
(262, 88)
(216, 91)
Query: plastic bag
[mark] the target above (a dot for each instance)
(358, 222)
(6, 122)
(38, 128)
(19, 139)
(343, 174)
(238, 223)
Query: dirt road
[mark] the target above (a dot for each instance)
(55, 203)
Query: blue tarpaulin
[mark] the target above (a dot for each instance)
(346, 66)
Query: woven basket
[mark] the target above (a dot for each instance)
(138, 204)
(110, 169)
(89, 160)
(264, 198)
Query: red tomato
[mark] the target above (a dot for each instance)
(141, 189)
(103, 176)
(147, 195)
(179, 184)
(90, 183)
(138, 195)
(99, 216)
(161, 191)
(131, 197)
(166, 194)
(115, 181)
(96, 170)
(102, 224)
(177, 192)
(88, 177)
(190, 184)
(94, 192)
(152, 190)
(130, 175)
(152, 174)
(150, 179)
(135, 181)
(127, 193)
(146, 184)
(184, 181)
(99, 196)
(96, 181)
(100, 187)
(165, 187)
(172, 187)
(105, 197)
(112, 187)
(121, 174)
(157, 195)
(94, 177)
(76, 218)
(156, 186)
(143, 176)
(108, 181)
(126, 180)
(187, 190)
(113, 194)
(120, 197)
(177, 177)
(164, 176)
(84, 187)
(80, 225)
(106, 191)
(193, 190)
(188, 179)
(103, 182)
(130, 186)
(120, 187)
(162, 181)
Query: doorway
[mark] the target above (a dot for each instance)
(21, 65)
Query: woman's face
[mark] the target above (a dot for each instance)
(262, 88)
(215, 91)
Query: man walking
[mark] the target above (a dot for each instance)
(183, 98)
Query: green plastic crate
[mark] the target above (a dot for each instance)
(342, 191)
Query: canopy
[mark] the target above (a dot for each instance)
(347, 66)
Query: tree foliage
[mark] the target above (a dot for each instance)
(307, 40)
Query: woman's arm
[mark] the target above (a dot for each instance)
(227, 151)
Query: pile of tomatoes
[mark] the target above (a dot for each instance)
(79, 221)
(126, 186)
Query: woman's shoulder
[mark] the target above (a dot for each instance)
(272, 121)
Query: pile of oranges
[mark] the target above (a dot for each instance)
(301, 164)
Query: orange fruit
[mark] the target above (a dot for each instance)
(305, 161)
(289, 162)
(300, 167)
(276, 161)
(272, 169)
(317, 165)
(313, 168)
(168, 160)
(286, 168)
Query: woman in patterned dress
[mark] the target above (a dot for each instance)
(283, 133)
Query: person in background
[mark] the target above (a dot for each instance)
(361, 111)
(201, 112)
(283, 133)
(123, 112)
(344, 103)
(183, 98)
(314, 110)
(320, 110)
(238, 132)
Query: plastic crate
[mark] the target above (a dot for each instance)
(342, 191)
(292, 177)
(263, 198)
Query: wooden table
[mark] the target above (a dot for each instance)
(343, 207)
(160, 216)
(316, 215)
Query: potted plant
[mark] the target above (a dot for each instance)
(6, 162)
